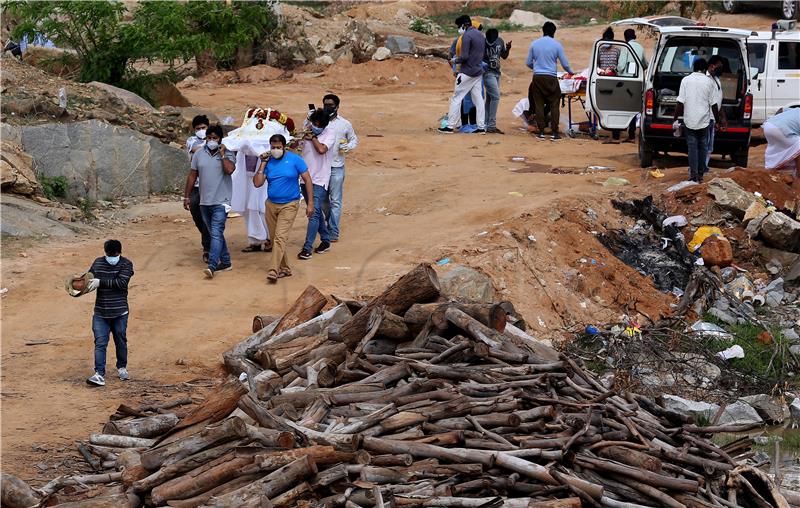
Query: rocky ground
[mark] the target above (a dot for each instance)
(533, 226)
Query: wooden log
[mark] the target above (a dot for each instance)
(87, 455)
(202, 479)
(271, 438)
(290, 497)
(147, 427)
(201, 499)
(391, 327)
(169, 471)
(541, 349)
(111, 501)
(227, 430)
(488, 314)
(400, 459)
(218, 405)
(417, 286)
(275, 483)
(59, 483)
(646, 477)
(235, 358)
(262, 321)
(631, 457)
(15, 493)
(418, 314)
(306, 307)
(120, 441)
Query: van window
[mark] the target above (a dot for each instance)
(788, 55)
(616, 60)
(757, 55)
(679, 56)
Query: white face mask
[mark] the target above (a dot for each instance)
(112, 260)
(201, 134)
(461, 30)
(276, 153)
(212, 145)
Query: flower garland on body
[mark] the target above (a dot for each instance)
(269, 114)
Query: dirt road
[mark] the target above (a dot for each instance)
(411, 195)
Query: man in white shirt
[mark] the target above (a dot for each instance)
(715, 68)
(696, 102)
(346, 140)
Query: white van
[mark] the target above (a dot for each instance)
(618, 95)
(774, 72)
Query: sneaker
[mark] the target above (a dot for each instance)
(555, 137)
(123, 374)
(96, 380)
(224, 268)
(209, 273)
(540, 136)
(494, 130)
(323, 247)
(479, 131)
(445, 130)
(304, 254)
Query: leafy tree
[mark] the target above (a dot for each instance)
(108, 45)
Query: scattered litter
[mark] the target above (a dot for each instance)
(615, 182)
(442, 262)
(681, 185)
(374, 135)
(381, 209)
(657, 173)
(591, 213)
(676, 220)
(592, 330)
(179, 221)
(774, 266)
(3, 291)
(678, 292)
(710, 330)
(531, 238)
(541, 322)
(38, 342)
(700, 236)
(734, 351)
(342, 268)
(243, 377)
(482, 233)
(23, 254)
(700, 262)
(515, 194)
(518, 159)
(600, 168)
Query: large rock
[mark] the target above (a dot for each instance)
(527, 18)
(361, 40)
(464, 283)
(717, 251)
(794, 272)
(16, 170)
(704, 410)
(103, 161)
(400, 44)
(167, 94)
(25, 218)
(781, 231)
(730, 195)
(767, 408)
(382, 53)
(125, 96)
(738, 412)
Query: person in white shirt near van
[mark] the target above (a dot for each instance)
(697, 104)
(716, 65)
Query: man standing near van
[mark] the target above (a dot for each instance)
(543, 56)
(715, 66)
(470, 79)
(697, 103)
(495, 50)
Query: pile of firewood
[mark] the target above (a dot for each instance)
(407, 400)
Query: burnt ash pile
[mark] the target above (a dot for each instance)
(655, 251)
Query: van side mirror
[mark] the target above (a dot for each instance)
(753, 72)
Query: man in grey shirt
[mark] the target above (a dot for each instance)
(214, 165)
(470, 79)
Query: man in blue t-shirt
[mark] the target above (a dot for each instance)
(281, 168)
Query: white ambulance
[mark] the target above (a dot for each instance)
(774, 60)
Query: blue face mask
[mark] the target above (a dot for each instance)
(112, 260)
(317, 130)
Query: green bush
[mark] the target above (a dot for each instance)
(422, 25)
(54, 187)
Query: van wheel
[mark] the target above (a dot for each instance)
(645, 153)
(730, 6)
(740, 158)
(789, 9)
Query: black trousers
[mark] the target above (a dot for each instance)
(197, 217)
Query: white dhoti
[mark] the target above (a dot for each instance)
(249, 200)
(782, 150)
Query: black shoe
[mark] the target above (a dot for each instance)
(304, 254)
(224, 268)
(540, 136)
(494, 130)
(445, 130)
(479, 131)
(322, 247)
(555, 137)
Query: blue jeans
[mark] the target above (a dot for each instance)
(332, 208)
(316, 223)
(697, 142)
(102, 328)
(214, 216)
(711, 130)
(491, 81)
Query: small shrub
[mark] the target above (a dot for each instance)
(54, 187)
(86, 206)
(423, 25)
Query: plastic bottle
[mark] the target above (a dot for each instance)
(62, 97)
(443, 122)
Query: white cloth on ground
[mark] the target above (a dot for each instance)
(782, 150)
